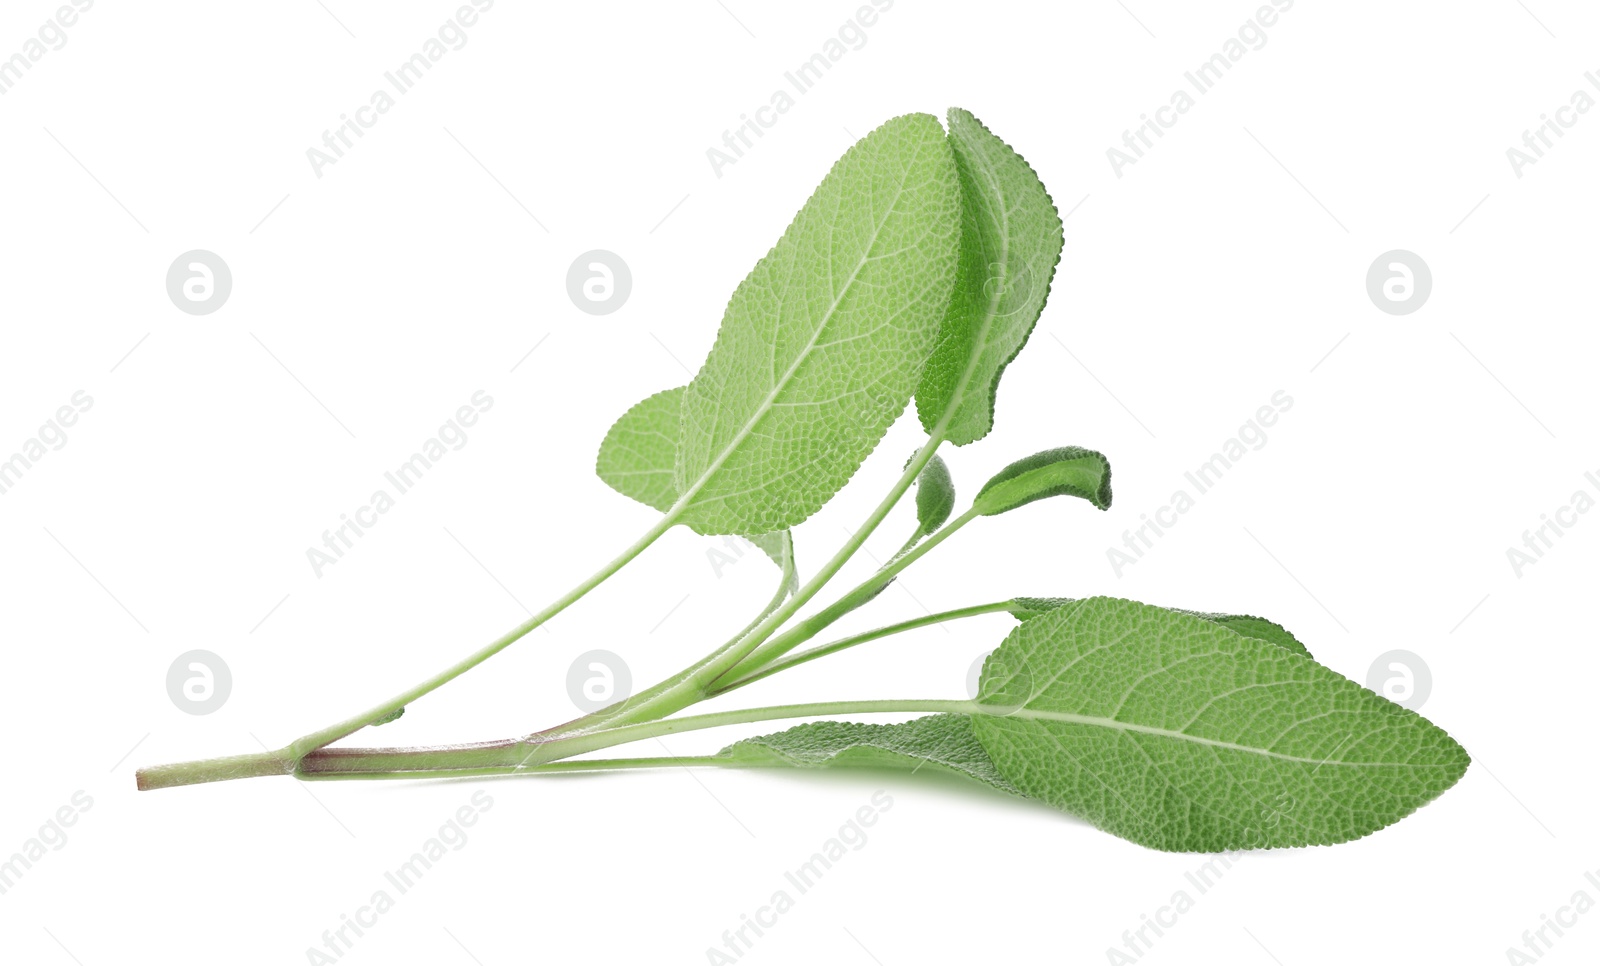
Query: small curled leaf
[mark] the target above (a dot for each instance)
(1066, 471)
(936, 496)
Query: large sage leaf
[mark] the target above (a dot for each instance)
(1183, 735)
(939, 742)
(1010, 243)
(822, 343)
(637, 458)
(1257, 627)
(1025, 608)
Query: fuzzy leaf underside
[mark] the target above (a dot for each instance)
(637, 457)
(822, 344)
(943, 742)
(1065, 471)
(1183, 735)
(780, 547)
(1011, 241)
(936, 496)
(638, 454)
(1025, 608)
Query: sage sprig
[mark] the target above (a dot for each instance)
(917, 271)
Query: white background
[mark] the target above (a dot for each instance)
(1227, 264)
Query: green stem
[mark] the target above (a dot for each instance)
(609, 715)
(284, 760)
(776, 647)
(811, 654)
(907, 547)
(731, 657)
(553, 767)
(215, 770)
(693, 683)
(332, 733)
(515, 757)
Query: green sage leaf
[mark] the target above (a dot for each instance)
(1010, 243)
(637, 458)
(780, 547)
(936, 496)
(1183, 735)
(641, 448)
(822, 344)
(1067, 471)
(1024, 608)
(1257, 627)
(940, 742)
(1027, 608)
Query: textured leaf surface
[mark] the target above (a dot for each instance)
(1183, 735)
(1010, 244)
(1066, 471)
(1027, 608)
(936, 496)
(1257, 627)
(942, 742)
(1024, 608)
(637, 458)
(821, 346)
(641, 448)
